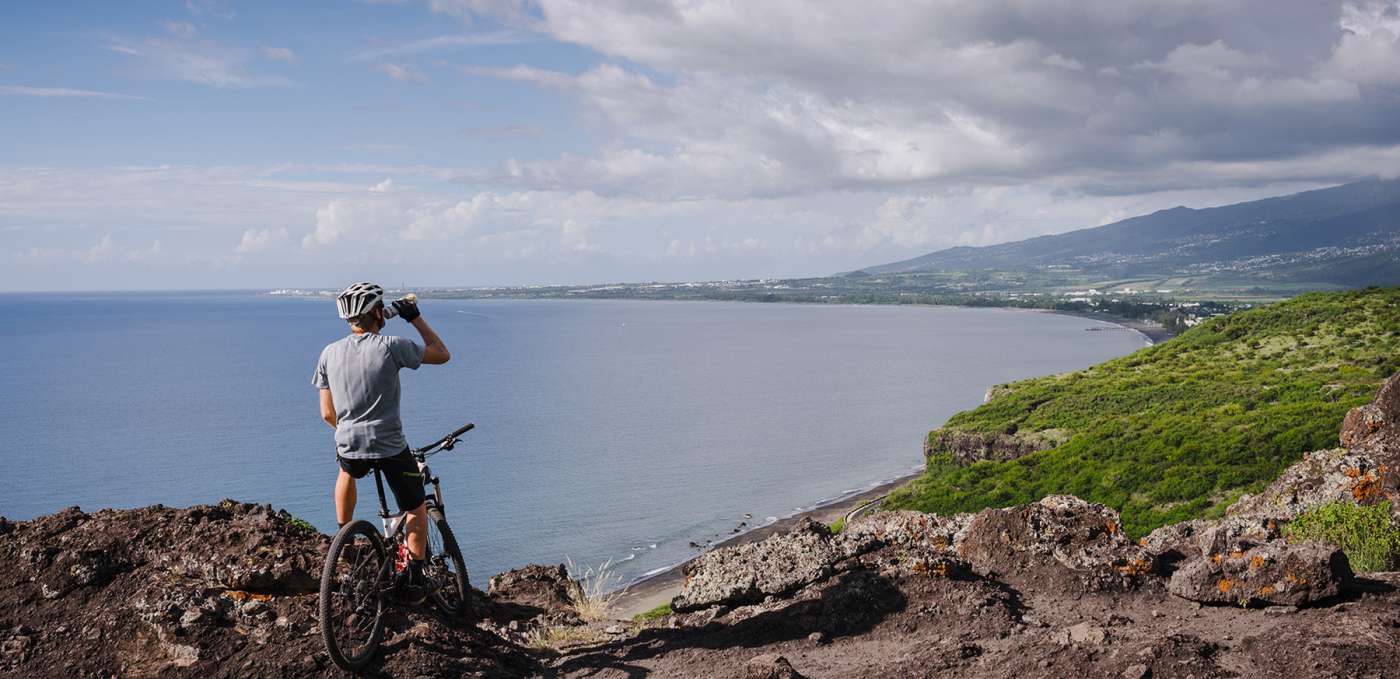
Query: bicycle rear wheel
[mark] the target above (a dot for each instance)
(351, 605)
(446, 567)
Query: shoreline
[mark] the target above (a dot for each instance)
(1155, 333)
(650, 591)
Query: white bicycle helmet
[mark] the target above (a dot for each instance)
(358, 299)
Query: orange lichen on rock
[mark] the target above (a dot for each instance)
(923, 568)
(1367, 488)
(1351, 472)
(1266, 590)
(1237, 554)
(240, 595)
(1135, 567)
(1225, 585)
(1256, 562)
(1111, 527)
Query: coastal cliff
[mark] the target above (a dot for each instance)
(1049, 588)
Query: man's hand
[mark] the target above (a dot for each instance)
(407, 310)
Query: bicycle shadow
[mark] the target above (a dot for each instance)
(853, 603)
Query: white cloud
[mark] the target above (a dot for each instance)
(278, 54)
(258, 240)
(444, 43)
(1369, 49)
(24, 91)
(180, 29)
(204, 63)
(104, 250)
(383, 187)
(710, 98)
(402, 73)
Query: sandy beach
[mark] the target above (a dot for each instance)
(652, 591)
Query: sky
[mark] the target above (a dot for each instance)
(204, 144)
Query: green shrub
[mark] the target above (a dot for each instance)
(1179, 430)
(838, 525)
(302, 524)
(1367, 535)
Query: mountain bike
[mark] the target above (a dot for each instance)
(364, 570)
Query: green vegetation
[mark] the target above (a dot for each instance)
(1366, 534)
(302, 524)
(654, 614)
(838, 525)
(1180, 429)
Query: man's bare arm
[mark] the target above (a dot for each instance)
(434, 351)
(327, 408)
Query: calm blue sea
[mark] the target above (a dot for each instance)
(605, 429)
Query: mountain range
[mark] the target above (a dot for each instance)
(1344, 236)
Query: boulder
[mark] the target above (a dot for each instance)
(777, 566)
(916, 533)
(1360, 424)
(1320, 478)
(1275, 573)
(770, 666)
(1376, 419)
(1061, 537)
(1195, 539)
(547, 588)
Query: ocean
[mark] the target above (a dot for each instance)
(617, 431)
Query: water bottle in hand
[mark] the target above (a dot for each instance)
(390, 311)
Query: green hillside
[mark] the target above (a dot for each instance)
(1180, 429)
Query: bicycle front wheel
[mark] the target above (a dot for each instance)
(446, 567)
(352, 595)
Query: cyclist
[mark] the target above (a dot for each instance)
(358, 377)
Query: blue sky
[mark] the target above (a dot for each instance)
(477, 142)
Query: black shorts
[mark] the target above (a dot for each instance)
(400, 471)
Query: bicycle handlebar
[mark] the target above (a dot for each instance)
(444, 440)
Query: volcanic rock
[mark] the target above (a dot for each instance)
(1060, 538)
(1320, 478)
(1276, 573)
(547, 588)
(212, 590)
(770, 666)
(926, 535)
(777, 566)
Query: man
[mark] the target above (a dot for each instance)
(358, 377)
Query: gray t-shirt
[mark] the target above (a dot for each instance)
(362, 372)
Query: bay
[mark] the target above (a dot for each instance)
(607, 430)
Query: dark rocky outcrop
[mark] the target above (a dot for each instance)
(545, 588)
(212, 590)
(967, 447)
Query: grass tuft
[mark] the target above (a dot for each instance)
(838, 525)
(1366, 534)
(594, 593)
(654, 614)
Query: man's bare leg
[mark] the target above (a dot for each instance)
(344, 498)
(418, 531)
